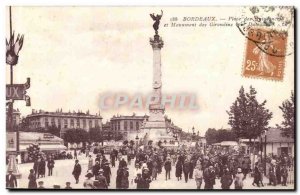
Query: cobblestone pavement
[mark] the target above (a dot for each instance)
(63, 172)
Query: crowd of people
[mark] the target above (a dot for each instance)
(203, 167)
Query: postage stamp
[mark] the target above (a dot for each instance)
(265, 54)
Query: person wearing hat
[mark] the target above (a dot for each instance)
(41, 185)
(198, 174)
(178, 171)
(209, 177)
(68, 185)
(36, 166)
(50, 165)
(122, 163)
(186, 170)
(154, 170)
(168, 168)
(272, 171)
(124, 179)
(101, 182)
(284, 173)
(119, 178)
(11, 180)
(139, 181)
(90, 163)
(107, 172)
(76, 171)
(257, 174)
(226, 179)
(32, 180)
(96, 168)
(146, 178)
(239, 179)
(88, 182)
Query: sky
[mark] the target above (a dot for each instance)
(74, 54)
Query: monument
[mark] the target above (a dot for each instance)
(155, 128)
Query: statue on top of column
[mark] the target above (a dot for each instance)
(157, 20)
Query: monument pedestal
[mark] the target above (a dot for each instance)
(13, 166)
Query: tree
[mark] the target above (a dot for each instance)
(287, 126)
(225, 135)
(247, 117)
(95, 134)
(76, 136)
(211, 136)
(33, 152)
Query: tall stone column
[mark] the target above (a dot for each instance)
(156, 109)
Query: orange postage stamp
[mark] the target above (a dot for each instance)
(265, 54)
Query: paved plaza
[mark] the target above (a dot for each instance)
(63, 172)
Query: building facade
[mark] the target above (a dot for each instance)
(121, 126)
(128, 127)
(63, 120)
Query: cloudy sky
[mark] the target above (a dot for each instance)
(73, 54)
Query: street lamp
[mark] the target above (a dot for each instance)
(264, 134)
(193, 135)
(137, 140)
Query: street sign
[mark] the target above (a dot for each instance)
(17, 91)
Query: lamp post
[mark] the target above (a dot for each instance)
(12, 54)
(265, 152)
(137, 141)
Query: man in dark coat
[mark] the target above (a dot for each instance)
(257, 174)
(42, 168)
(226, 179)
(101, 182)
(75, 154)
(122, 163)
(113, 159)
(76, 171)
(168, 167)
(284, 174)
(119, 178)
(209, 177)
(36, 167)
(192, 166)
(125, 180)
(11, 180)
(278, 173)
(146, 176)
(96, 168)
(178, 171)
(107, 172)
(186, 170)
(272, 176)
(139, 181)
(50, 165)
(32, 180)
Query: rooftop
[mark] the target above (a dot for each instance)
(274, 135)
(59, 112)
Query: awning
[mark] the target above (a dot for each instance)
(46, 147)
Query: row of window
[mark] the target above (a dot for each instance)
(65, 123)
(128, 125)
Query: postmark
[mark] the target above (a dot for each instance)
(265, 54)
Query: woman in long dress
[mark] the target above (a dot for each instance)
(32, 180)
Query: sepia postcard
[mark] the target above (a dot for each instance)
(150, 98)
